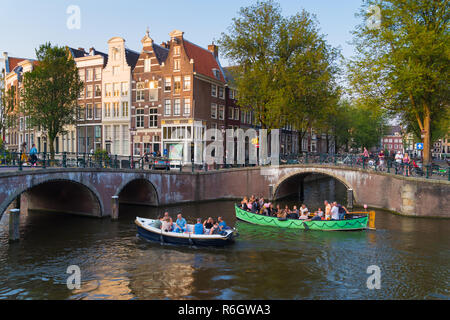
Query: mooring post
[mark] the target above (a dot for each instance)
(349, 198)
(14, 225)
(115, 208)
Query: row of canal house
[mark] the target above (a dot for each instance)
(159, 100)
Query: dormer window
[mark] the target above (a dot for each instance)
(176, 50)
(216, 73)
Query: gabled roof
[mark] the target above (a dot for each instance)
(12, 62)
(132, 57)
(160, 53)
(76, 53)
(204, 60)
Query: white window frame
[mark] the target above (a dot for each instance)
(213, 110)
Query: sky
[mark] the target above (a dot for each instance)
(25, 24)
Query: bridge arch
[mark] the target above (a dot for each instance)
(138, 191)
(58, 194)
(304, 172)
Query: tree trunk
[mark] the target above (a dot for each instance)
(52, 147)
(427, 136)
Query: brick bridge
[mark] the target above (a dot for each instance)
(90, 191)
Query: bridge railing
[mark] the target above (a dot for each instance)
(44, 160)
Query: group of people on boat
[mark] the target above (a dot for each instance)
(333, 210)
(208, 227)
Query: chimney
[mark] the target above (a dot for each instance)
(91, 51)
(5, 56)
(81, 49)
(214, 50)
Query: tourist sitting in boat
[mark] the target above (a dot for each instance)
(318, 215)
(215, 229)
(157, 223)
(293, 213)
(303, 215)
(270, 210)
(281, 214)
(304, 210)
(208, 224)
(166, 215)
(222, 224)
(166, 224)
(198, 227)
(180, 224)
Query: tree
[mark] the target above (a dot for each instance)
(50, 91)
(284, 70)
(403, 66)
(8, 110)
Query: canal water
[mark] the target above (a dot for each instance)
(265, 263)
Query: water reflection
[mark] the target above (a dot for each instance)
(265, 262)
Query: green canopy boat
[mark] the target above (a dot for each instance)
(359, 222)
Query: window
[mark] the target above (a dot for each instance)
(167, 107)
(108, 90)
(236, 113)
(231, 94)
(90, 111)
(177, 85)
(98, 90)
(140, 91)
(124, 109)
(216, 73)
(187, 106)
(147, 65)
(81, 112)
(115, 109)
(176, 65)
(115, 71)
(139, 118)
(176, 51)
(116, 89)
(107, 109)
(221, 113)
(89, 74)
(242, 116)
(124, 88)
(214, 111)
(153, 94)
(187, 83)
(153, 117)
(81, 73)
(98, 74)
(167, 84)
(213, 90)
(221, 93)
(177, 107)
(230, 113)
(98, 111)
(21, 124)
(89, 92)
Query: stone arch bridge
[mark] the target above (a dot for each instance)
(90, 191)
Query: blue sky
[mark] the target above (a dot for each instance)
(25, 24)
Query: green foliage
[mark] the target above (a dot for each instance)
(51, 91)
(101, 155)
(357, 126)
(284, 70)
(403, 66)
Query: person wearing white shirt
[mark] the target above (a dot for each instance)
(335, 211)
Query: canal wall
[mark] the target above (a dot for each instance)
(90, 191)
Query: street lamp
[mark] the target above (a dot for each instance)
(132, 133)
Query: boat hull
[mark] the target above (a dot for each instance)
(157, 235)
(341, 225)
